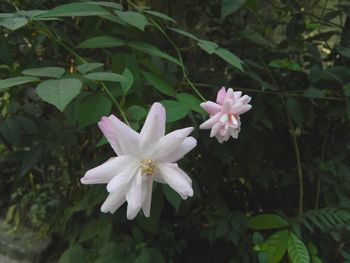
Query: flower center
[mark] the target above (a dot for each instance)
(147, 167)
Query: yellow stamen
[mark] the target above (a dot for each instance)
(147, 167)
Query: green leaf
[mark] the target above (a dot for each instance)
(229, 57)
(267, 221)
(30, 159)
(221, 228)
(84, 68)
(314, 93)
(137, 112)
(228, 7)
(59, 92)
(160, 15)
(174, 110)
(191, 101)
(133, 18)
(276, 245)
(92, 229)
(13, 23)
(106, 76)
(12, 82)
(297, 251)
(73, 254)
(344, 51)
(152, 50)
(126, 85)
(170, 195)
(10, 130)
(159, 83)
(107, 4)
(50, 72)
(101, 42)
(208, 46)
(92, 108)
(184, 33)
(75, 9)
(295, 111)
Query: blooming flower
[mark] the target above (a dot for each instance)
(141, 158)
(224, 118)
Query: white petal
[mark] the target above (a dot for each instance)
(168, 143)
(224, 118)
(146, 208)
(237, 94)
(244, 109)
(211, 107)
(122, 180)
(136, 195)
(110, 134)
(215, 129)
(153, 129)
(113, 202)
(103, 173)
(176, 178)
(180, 151)
(127, 138)
(230, 94)
(208, 124)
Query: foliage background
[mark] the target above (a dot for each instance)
(280, 193)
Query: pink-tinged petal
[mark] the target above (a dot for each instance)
(230, 94)
(211, 107)
(208, 124)
(103, 173)
(110, 133)
(113, 202)
(221, 96)
(169, 142)
(180, 151)
(243, 109)
(227, 107)
(127, 138)
(146, 208)
(215, 129)
(122, 180)
(177, 179)
(154, 127)
(238, 94)
(136, 195)
(245, 99)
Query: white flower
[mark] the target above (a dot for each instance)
(142, 157)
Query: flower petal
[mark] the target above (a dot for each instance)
(103, 173)
(111, 135)
(221, 96)
(136, 195)
(238, 94)
(227, 107)
(215, 129)
(146, 207)
(121, 181)
(243, 109)
(176, 178)
(180, 151)
(154, 127)
(127, 139)
(169, 142)
(230, 94)
(211, 107)
(113, 202)
(208, 124)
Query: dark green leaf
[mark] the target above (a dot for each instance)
(344, 51)
(184, 33)
(229, 57)
(75, 9)
(13, 23)
(276, 245)
(174, 110)
(159, 83)
(30, 159)
(133, 18)
(228, 7)
(84, 68)
(10, 130)
(173, 197)
(267, 221)
(191, 101)
(137, 112)
(106, 76)
(295, 111)
(92, 108)
(314, 93)
(208, 46)
(297, 251)
(126, 85)
(12, 82)
(50, 72)
(160, 15)
(73, 254)
(152, 50)
(59, 92)
(102, 42)
(221, 228)
(107, 4)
